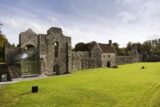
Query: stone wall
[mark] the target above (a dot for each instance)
(80, 60)
(128, 59)
(3, 69)
(42, 51)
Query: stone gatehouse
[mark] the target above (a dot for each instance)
(52, 54)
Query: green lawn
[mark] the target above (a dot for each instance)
(127, 86)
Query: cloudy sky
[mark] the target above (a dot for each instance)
(84, 20)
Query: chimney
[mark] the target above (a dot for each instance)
(110, 42)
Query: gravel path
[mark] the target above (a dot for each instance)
(23, 79)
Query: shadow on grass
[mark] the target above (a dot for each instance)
(25, 93)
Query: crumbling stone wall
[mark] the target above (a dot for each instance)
(42, 51)
(82, 60)
(63, 59)
(11, 54)
(56, 57)
(28, 38)
(45, 44)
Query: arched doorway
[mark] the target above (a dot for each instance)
(108, 64)
(56, 69)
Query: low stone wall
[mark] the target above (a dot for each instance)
(14, 71)
(128, 59)
(3, 69)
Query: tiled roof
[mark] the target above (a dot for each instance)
(106, 48)
(90, 45)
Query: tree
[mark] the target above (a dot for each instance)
(81, 47)
(2, 45)
(116, 46)
(0, 27)
(129, 46)
(122, 52)
(13, 45)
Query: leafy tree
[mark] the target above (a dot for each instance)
(2, 46)
(81, 47)
(122, 52)
(13, 45)
(129, 46)
(116, 46)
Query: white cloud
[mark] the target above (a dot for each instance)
(126, 17)
(131, 20)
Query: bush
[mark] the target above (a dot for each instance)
(115, 66)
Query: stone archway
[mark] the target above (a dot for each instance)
(56, 69)
(108, 64)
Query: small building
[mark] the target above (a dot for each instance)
(95, 55)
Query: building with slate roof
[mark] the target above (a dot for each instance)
(95, 55)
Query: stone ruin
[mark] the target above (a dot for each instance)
(52, 54)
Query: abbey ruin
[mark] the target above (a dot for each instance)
(52, 54)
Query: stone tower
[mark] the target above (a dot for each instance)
(58, 57)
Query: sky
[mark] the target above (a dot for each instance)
(84, 20)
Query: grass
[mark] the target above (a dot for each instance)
(2, 62)
(127, 86)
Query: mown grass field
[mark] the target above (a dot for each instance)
(127, 86)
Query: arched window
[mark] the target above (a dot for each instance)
(56, 48)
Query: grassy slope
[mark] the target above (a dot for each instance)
(127, 86)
